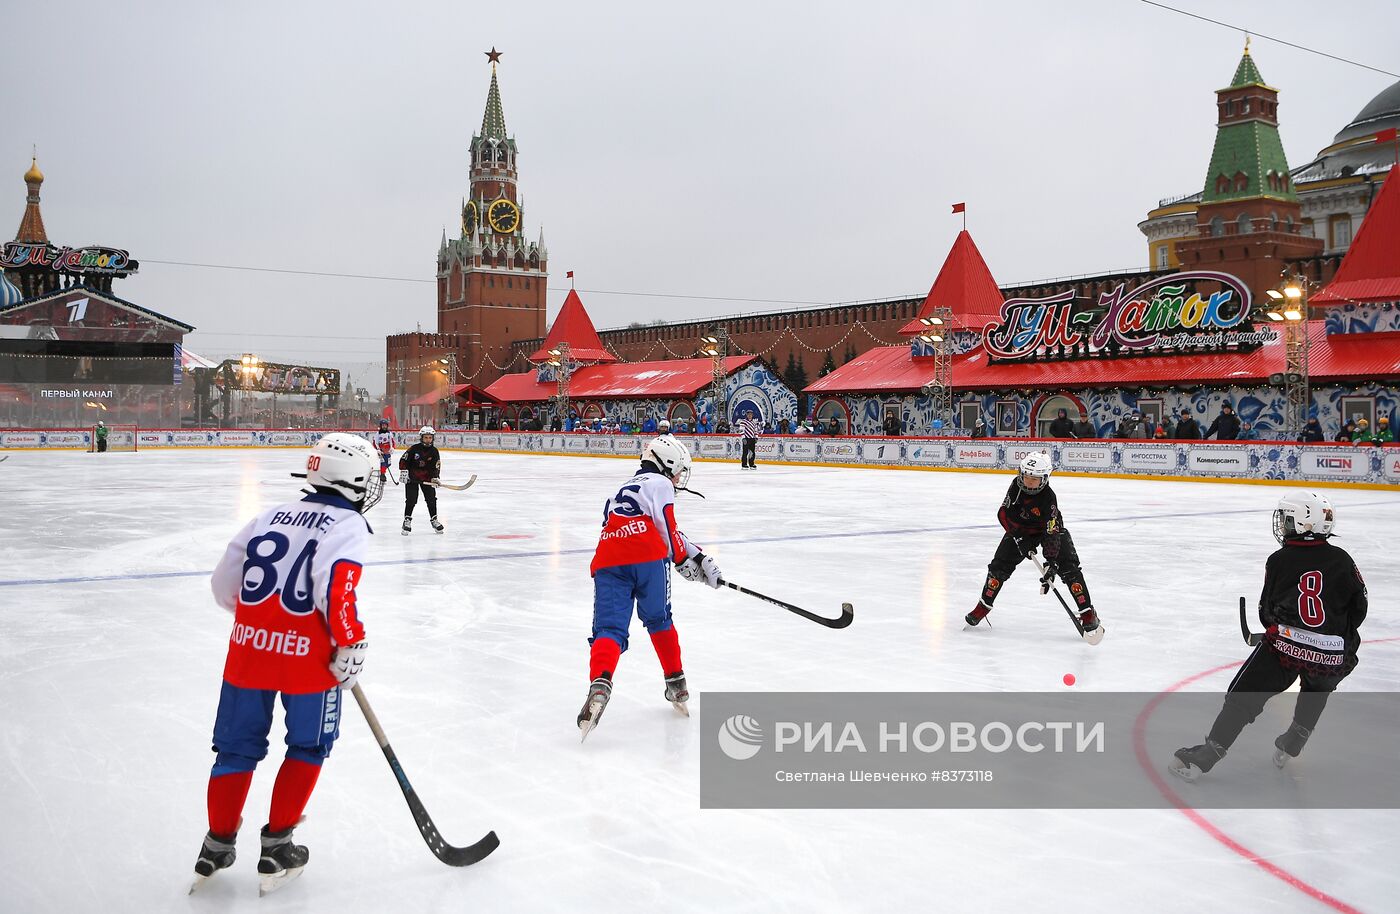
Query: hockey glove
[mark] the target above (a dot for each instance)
(347, 663)
(700, 567)
(1047, 580)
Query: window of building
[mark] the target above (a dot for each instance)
(1246, 106)
(491, 281)
(1341, 231)
(1273, 222)
(1049, 411)
(1241, 181)
(1217, 227)
(969, 411)
(509, 283)
(1222, 184)
(1243, 224)
(1354, 409)
(1163, 257)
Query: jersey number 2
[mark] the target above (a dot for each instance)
(1310, 606)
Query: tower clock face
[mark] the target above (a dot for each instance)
(469, 218)
(504, 216)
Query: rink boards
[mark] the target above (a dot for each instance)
(1264, 461)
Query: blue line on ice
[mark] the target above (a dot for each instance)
(158, 575)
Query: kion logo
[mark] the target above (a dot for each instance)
(740, 737)
(1335, 463)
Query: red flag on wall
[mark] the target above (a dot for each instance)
(959, 207)
(569, 275)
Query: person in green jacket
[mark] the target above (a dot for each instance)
(1383, 433)
(1363, 435)
(101, 432)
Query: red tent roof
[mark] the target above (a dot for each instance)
(964, 286)
(572, 325)
(882, 368)
(429, 398)
(471, 395)
(1337, 357)
(624, 380)
(1370, 271)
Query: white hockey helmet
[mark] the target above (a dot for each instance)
(1304, 514)
(426, 430)
(1035, 466)
(347, 465)
(671, 457)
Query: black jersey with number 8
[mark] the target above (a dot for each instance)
(1313, 604)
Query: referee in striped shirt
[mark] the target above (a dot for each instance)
(749, 430)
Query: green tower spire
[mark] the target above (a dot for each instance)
(1248, 159)
(1246, 74)
(493, 122)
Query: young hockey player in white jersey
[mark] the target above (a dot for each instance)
(289, 577)
(632, 566)
(384, 446)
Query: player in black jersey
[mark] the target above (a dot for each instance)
(420, 466)
(1030, 515)
(1313, 603)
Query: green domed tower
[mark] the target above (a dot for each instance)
(1249, 219)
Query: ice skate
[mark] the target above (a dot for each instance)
(1290, 744)
(599, 691)
(217, 853)
(978, 614)
(676, 692)
(1191, 763)
(437, 525)
(1089, 621)
(407, 526)
(281, 860)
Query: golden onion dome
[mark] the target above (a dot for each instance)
(34, 175)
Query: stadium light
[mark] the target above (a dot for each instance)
(931, 321)
(1292, 292)
(1274, 315)
(1293, 314)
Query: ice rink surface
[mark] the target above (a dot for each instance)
(113, 648)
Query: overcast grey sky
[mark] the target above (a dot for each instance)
(796, 151)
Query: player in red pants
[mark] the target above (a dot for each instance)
(632, 566)
(289, 578)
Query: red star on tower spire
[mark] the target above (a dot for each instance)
(494, 56)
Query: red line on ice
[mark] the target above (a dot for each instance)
(1278, 872)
